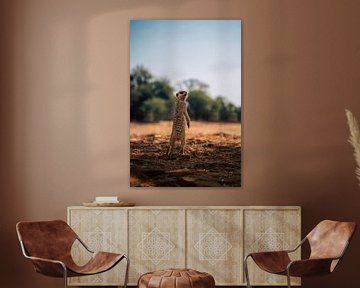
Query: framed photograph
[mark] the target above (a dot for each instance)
(185, 103)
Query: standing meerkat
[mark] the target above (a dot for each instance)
(180, 116)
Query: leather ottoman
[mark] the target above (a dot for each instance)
(176, 278)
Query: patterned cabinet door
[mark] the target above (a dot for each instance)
(156, 240)
(101, 230)
(214, 244)
(271, 230)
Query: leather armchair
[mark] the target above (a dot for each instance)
(48, 245)
(328, 242)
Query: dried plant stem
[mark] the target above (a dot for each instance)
(354, 140)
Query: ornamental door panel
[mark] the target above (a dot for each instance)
(101, 230)
(214, 244)
(156, 240)
(271, 230)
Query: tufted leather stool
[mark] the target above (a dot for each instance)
(176, 278)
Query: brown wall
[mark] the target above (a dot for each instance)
(65, 112)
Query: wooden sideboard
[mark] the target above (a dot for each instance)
(212, 239)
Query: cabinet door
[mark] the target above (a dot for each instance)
(214, 244)
(100, 230)
(271, 230)
(156, 240)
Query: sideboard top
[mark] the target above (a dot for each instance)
(193, 207)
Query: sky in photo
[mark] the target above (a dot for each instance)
(208, 50)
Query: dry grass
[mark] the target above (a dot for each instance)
(212, 158)
(197, 129)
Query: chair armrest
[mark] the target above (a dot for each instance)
(271, 261)
(83, 244)
(269, 252)
(309, 267)
(280, 251)
(45, 260)
(48, 267)
(298, 246)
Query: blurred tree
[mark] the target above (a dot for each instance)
(200, 104)
(153, 99)
(137, 98)
(223, 112)
(154, 109)
(215, 111)
(140, 91)
(144, 87)
(228, 112)
(238, 112)
(140, 76)
(231, 113)
(162, 89)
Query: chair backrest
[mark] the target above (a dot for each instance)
(329, 239)
(46, 239)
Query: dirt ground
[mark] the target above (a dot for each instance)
(212, 156)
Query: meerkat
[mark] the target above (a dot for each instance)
(180, 116)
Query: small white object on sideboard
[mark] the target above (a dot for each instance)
(212, 239)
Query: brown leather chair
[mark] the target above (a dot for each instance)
(328, 242)
(48, 245)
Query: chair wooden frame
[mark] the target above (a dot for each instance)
(315, 265)
(66, 271)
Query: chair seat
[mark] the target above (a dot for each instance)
(99, 262)
(272, 262)
(48, 244)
